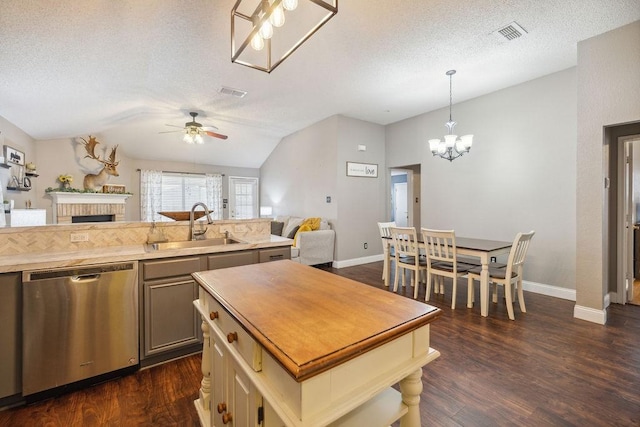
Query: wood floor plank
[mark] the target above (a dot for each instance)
(543, 369)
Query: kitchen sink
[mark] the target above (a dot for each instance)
(185, 244)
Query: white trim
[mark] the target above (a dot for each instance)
(62, 197)
(611, 296)
(357, 261)
(549, 290)
(590, 314)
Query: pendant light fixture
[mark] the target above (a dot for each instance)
(266, 32)
(452, 147)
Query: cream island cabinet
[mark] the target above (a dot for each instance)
(291, 345)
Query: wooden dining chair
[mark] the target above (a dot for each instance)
(407, 255)
(510, 277)
(442, 261)
(385, 237)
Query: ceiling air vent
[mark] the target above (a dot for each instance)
(233, 92)
(511, 31)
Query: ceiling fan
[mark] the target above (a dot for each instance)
(193, 131)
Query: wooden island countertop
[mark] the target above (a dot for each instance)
(310, 320)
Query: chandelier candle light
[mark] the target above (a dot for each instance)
(260, 24)
(452, 147)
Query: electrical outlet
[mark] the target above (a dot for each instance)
(79, 237)
(366, 246)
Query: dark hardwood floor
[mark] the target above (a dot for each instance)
(543, 369)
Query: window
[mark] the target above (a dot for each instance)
(173, 191)
(243, 197)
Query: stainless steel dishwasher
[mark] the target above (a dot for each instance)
(78, 323)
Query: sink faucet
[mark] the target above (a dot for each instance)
(198, 234)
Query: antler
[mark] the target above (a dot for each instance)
(112, 156)
(90, 146)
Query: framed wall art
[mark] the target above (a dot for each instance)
(13, 156)
(367, 170)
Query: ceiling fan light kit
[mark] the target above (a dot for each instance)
(451, 147)
(266, 32)
(193, 131)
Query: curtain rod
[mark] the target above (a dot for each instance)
(185, 173)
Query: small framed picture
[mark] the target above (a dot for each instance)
(13, 156)
(367, 170)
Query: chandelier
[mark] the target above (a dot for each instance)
(452, 147)
(259, 37)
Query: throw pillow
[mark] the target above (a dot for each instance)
(276, 227)
(308, 224)
(293, 232)
(292, 223)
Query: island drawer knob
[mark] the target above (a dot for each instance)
(232, 336)
(213, 315)
(226, 418)
(222, 407)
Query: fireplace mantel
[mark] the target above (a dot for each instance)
(68, 204)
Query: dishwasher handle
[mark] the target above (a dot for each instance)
(85, 278)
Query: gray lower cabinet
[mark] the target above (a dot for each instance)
(169, 324)
(10, 334)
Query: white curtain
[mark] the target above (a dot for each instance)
(214, 195)
(150, 195)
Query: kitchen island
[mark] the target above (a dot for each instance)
(287, 344)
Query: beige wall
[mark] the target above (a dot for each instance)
(66, 156)
(608, 94)
(310, 165)
(519, 175)
(14, 137)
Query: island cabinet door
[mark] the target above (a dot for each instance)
(243, 398)
(218, 382)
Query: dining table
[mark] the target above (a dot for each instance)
(482, 249)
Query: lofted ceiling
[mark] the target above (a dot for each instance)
(125, 69)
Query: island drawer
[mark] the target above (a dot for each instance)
(234, 334)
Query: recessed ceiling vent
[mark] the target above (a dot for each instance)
(511, 31)
(233, 92)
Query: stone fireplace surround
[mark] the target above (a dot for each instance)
(68, 205)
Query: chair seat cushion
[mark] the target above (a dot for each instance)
(498, 273)
(475, 262)
(448, 266)
(412, 260)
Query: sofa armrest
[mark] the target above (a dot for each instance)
(315, 247)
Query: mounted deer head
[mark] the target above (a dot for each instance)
(96, 181)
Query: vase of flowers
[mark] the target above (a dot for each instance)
(65, 181)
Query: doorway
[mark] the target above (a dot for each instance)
(404, 195)
(243, 197)
(624, 213)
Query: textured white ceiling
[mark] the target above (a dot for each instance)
(124, 69)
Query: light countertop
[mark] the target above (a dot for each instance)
(45, 260)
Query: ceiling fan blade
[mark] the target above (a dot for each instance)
(209, 127)
(175, 126)
(216, 135)
(170, 131)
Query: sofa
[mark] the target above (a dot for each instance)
(314, 240)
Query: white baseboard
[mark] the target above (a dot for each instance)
(358, 261)
(590, 314)
(549, 290)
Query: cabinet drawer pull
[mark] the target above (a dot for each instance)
(227, 418)
(272, 257)
(232, 336)
(222, 407)
(213, 315)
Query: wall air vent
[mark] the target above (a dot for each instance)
(233, 92)
(511, 31)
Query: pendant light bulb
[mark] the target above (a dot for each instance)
(266, 31)
(290, 4)
(277, 17)
(257, 43)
